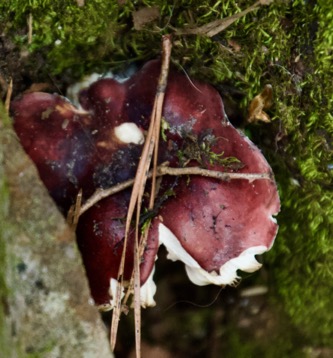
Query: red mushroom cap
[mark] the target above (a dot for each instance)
(58, 138)
(215, 227)
(100, 235)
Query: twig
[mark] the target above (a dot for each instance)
(156, 120)
(161, 88)
(225, 176)
(139, 184)
(74, 212)
(156, 127)
(29, 28)
(163, 170)
(9, 95)
(213, 28)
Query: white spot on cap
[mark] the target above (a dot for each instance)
(129, 133)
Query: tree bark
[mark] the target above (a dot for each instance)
(45, 301)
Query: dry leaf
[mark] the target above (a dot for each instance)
(144, 16)
(38, 87)
(258, 104)
(234, 45)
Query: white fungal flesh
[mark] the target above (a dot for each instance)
(112, 292)
(74, 89)
(227, 275)
(129, 132)
(147, 291)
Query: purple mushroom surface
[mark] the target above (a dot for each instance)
(215, 227)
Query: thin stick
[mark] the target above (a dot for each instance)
(29, 28)
(161, 88)
(225, 176)
(74, 213)
(157, 119)
(9, 95)
(136, 200)
(156, 127)
(163, 170)
(138, 182)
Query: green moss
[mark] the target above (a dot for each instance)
(302, 260)
(287, 44)
(283, 344)
(100, 34)
(304, 252)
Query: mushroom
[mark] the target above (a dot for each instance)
(77, 149)
(87, 149)
(216, 228)
(58, 138)
(100, 236)
(117, 141)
